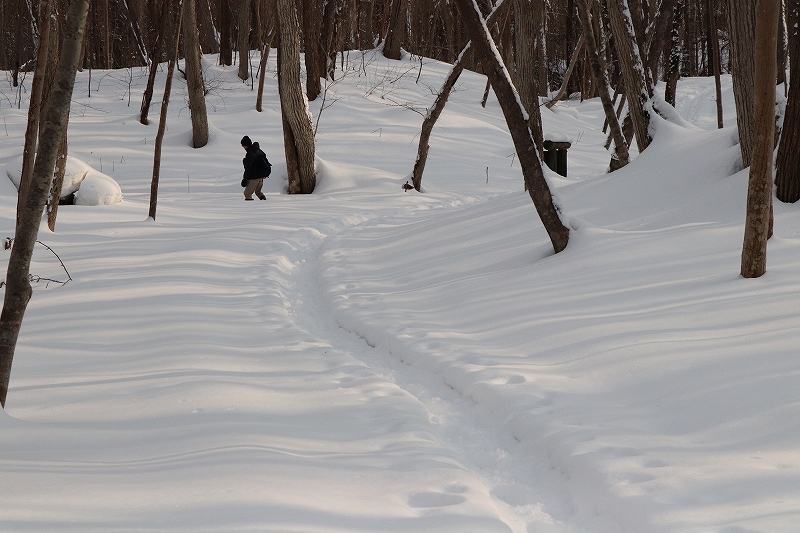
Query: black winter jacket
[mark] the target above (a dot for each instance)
(249, 162)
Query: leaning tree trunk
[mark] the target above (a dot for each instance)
(787, 171)
(715, 59)
(155, 58)
(396, 30)
(515, 117)
(36, 103)
(759, 191)
(637, 84)
(298, 131)
(742, 36)
(177, 15)
(438, 105)
(527, 72)
(18, 287)
(194, 76)
(621, 155)
(58, 183)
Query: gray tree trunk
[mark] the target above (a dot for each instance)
(18, 287)
(526, 61)
(194, 76)
(396, 30)
(244, 39)
(518, 127)
(741, 22)
(621, 156)
(759, 191)
(298, 131)
(637, 84)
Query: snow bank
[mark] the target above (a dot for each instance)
(89, 186)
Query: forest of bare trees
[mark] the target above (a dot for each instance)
(616, 49)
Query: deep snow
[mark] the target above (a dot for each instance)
(365, 359)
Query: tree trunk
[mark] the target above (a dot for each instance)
(565, 82)
(675, 53)
(712, 30)
(58, 183)
(36, 103)
(155, 58)
(314, 58)
(298, 131)
(741, 17)
(262, 72)
(438, 105)
(244, 39)
(396, 30)
(515, 117)
(18, 287)
(621, 156)
(637, 84)
(194, 76)
(787, 172)
(759, 191)
(526, 61)
(225, 18)
(177, 16)
(365, 38)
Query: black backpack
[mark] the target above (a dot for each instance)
(262, 167)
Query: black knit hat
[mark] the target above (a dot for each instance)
(246, 141)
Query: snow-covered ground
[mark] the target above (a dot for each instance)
(368, 360)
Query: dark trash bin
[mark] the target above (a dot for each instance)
(555, 156)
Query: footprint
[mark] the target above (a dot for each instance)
(423, 500)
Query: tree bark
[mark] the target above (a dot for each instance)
(675, 53)
(526, 61)
(759, 192)
(712, 30)
(396, 30)
(155, 58)
(298, 131)
(244, 39)
(58, 183)
(741, 17)
(515, 117)
(787, 172)
(565, 82)
(36, 103)
(177, 16)
(194, 76)
(637, 83)
(225, 19)
(18, 288)
(621, 155)
(314, 57)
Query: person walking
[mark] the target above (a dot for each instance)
(256, 168)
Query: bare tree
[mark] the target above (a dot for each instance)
(177, 16)
(787, 171)
(36, 103)
(518, 127)
(526, 61)
(244, 39)
(621, 155)
(741, 22)
(759, 191)
(638, 86)
(194, 76)
(314, 57)
(396, 29)
(298, 132)
(18, 287)
(155, 58)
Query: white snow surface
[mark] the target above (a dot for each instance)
(365, 359)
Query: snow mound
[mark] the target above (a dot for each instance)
(100, 188)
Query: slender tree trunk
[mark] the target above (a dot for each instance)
(365, 37)
(637, 83)
(155, 58)
(18, 288)
(262, 72)
(759, 192)
(675, 53)
(58, 183)
(621, 156)
(523, 142)
(36, 103)
(314, 58)
(441, 99)
(177, 16)
(298, 131)
(244, 39)
(787, 172)
(194, 76)
(225, 18)
(741, 22)
(712, 30)
(565, 82)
